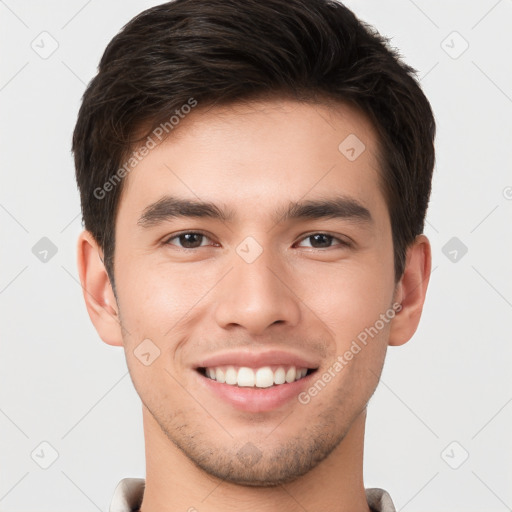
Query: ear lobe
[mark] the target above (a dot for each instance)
(97, 291)
(411, 291)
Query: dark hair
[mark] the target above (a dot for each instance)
(223, 51)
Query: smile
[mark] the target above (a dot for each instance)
(263, 377)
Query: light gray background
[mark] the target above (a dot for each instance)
(60, 384)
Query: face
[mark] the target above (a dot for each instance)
(288, 267)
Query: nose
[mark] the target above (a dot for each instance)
(256, 295)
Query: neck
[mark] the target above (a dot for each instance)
(173, 482)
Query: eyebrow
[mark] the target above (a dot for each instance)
(171, 207)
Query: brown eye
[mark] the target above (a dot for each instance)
(188, 240)
(324, 240)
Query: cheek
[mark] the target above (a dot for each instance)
(153, 298)
(349, 297)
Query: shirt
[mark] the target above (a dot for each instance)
(128, 497)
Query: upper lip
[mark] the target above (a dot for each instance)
(257, 359)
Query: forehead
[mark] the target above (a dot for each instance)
(253, 158)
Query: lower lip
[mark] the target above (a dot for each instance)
(253, 399)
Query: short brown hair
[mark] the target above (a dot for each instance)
(223, 51)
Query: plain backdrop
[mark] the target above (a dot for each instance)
(438, 431)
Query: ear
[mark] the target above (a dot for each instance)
(411, 290)
(98, 294)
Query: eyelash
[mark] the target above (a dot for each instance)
(342, 242)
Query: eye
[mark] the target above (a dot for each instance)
(323, 240)
(188, 239)
(193, 240)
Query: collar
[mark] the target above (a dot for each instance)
(129, 491)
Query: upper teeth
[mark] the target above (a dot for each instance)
(260, 377)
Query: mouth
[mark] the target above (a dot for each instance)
(262, 377)
(255, 390)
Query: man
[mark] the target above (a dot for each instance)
(254, 178)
